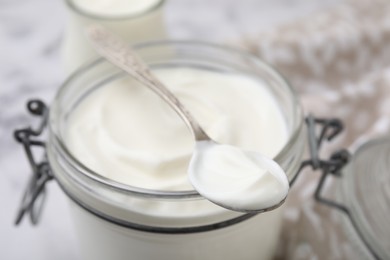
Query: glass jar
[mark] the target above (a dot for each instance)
(364, 197)
(110, 219)
(140, 26)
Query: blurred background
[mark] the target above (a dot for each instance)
(334, 52)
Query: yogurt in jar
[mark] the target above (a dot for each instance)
(126, 133)
(135, 21)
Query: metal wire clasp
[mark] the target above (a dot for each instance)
(35, 194)
(328, 129)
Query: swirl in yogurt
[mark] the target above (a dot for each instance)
(127, 133)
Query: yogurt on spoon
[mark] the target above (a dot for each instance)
(226, 175)
(236, 179)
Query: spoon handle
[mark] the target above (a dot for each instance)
(121, 55)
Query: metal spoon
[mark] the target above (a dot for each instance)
(118, 52)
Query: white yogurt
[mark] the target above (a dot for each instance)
(125, 132)
(135, 21)
(237, 179)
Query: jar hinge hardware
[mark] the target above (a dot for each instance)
(328, 129)
(34, 194)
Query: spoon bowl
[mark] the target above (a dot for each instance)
(236, 179)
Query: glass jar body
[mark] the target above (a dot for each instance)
(100, 240)
(111, 219)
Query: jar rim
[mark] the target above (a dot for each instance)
(151, 193)
(78, 10)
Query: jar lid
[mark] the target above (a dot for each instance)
(366, 194)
